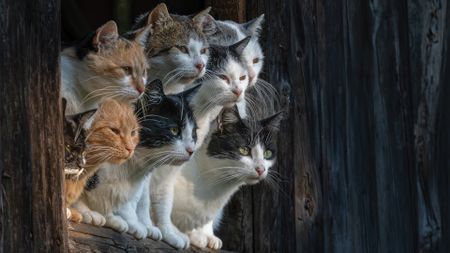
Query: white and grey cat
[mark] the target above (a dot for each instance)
(237, 152)
(223, 86)
(103, 65)
(121, 193)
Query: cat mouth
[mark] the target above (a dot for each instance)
(180, 160)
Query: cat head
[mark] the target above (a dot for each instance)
(168, 133)
(227, 79)
(116, 66)
(228, 32)
(177, 49)
(247, 147)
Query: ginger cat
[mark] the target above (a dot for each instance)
(108, 134)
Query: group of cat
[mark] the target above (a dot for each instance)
(164, 123)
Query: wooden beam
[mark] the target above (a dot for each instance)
(31, 145)
(228, 9)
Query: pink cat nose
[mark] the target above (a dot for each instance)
(130, 150)
(140, 90)
(260, 170)
(237, 92)
(199, 66)
(189, 151)
(251, 77)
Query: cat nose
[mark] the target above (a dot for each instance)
(130, 150)
(199, 66)
(251, 75)
(260, 170)
(140, 89)
(189, 151)
(237, 92)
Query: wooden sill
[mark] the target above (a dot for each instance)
(85, 238)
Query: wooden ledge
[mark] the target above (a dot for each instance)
(84, 238)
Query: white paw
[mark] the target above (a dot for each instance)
(68, 213)
(214, 242)
(154, 233)
(94, 218)
(139, 231)
(198, 239)
(174, 238)
(117, 223)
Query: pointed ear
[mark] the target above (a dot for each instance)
(141, 35)
(154, 92)
(254, 26)
(273, 122)
(205, 22)
(105, 35)
(158, 17)
(227, 117)
(190, 93)
(239, 47)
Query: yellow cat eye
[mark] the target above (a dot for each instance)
(244, 151)
(183, 49)
(268, 154)
(133, 133)
(115, 130)
(204, 50)
(256, 60)
(225, 78)
(242, 78)
(128, 70)
(174, 130)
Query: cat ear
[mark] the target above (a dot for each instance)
(254, 25)
(154, 92)
(273, 122)
(190, 93)
(141, 35)
(239, 47)
(105, 35)
(158, 17)
(227, 117)
(205, 22)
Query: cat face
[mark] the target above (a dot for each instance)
(117, 66)
(177, 48)
(247, 147)
(113, 133)
(227, 32)
(227, 78)
(168, 133)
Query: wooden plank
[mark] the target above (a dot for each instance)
(228, 9)
(31, 207)
(86, 238)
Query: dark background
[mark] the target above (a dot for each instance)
(364, 158)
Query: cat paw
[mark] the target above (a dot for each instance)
(76, 216)
(137, 230)
(116, 223)
(214, 242)
(94, 218)
(68, 213)
(175, 238)
(198, 239)
(154, 233)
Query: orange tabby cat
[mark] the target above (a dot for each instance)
(112, 134)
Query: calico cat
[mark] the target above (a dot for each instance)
(223, 86)
(238, 152)
(103, 65)
(121, 192)
(177, 49)
(108, 134)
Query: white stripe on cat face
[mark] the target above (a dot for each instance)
(186, 146)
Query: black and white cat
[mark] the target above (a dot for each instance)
(223, 86)
(121, 193)
(237, 152)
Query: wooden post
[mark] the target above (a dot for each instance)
(228, 9)
(32, 218)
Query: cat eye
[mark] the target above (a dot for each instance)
(256, 60)
(244, 151)
(204, 50)
(174, 130)
(128, 70)
(225, 78)
(183, 49)
(268, 154)
(115, 130)
(133, 133)
(242, 78)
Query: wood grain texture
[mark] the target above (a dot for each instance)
(31, 154)
(363, 154)
(86, 238)
(228, 9)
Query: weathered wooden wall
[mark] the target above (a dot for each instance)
(364, 156)
(31, 153)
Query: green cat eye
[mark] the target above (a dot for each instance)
(268, 154)
(174, 130)
(244, 151)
